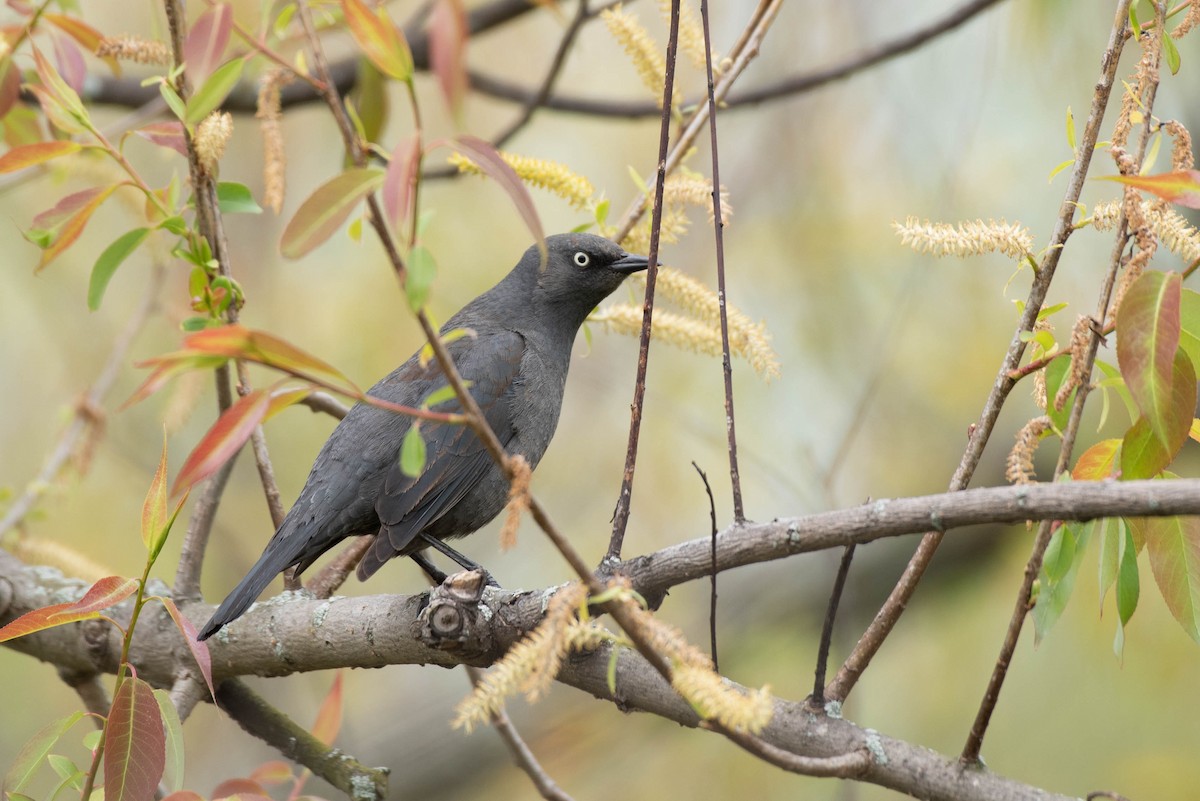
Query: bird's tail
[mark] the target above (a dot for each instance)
(275, 559)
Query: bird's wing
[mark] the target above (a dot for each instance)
(456, 461)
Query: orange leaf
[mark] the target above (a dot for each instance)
(239, 787)
(329, 716)
(73, 227)
(87, 36)
(381, 41)
(154, 510)
(283, 398)
(274, 772)
(104, 593)
(134, 743)
(1181, 188)
(21, 157)
(223, 440)
(235, 341)
(1097, 462)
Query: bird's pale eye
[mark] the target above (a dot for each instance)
(582, 259)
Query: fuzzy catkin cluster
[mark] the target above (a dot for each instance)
(965, 239)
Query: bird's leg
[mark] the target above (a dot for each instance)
(465, 562)
(428, 566)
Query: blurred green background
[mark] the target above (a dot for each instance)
(887, 358)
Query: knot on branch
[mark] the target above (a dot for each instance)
(455, 619)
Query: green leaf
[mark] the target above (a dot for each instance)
(1056, 372)
(109, 261)
(1071, 129)
(1171, 52)
(213, 91)
(441, 395)
(173, 100)
(1173, 544)
(1060, 566)
(235, 198)
(324, 211)
(1127, 589)
(421, 271)
(1109, 531)
(173, 729)
(35, 751)
(1142, 455)
(134, 752)
(1148, 326)
(412, 452)
(1189, 325)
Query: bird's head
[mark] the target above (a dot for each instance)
(579, 271)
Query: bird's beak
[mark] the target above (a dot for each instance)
(629, 263)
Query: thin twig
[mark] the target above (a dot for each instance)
(625, 497)
(547, 788)
(712, 597)
(556, 64)
(261, 720)
(843, 766)
(85, 416)
(327, 404)
(817, 699)
(334, 574)
(735, 476)
(885, 619)
(971, 750)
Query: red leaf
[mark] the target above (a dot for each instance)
(1097, 462)
(10, 85)
(70, 61)
(400, 181)
(135, 744)
(206, 41)
(165, 134)
(235, 341)
(104, 593)
(223, 440)
(28, 155)
(448, 33)
(329, 716)
(1174, 547)
(65, 208)
(1181, 188)
(87, 36)
(184, 795)
(381, 41)
(496, 168)
(199, 650)
(324, 211)
(1148, 330)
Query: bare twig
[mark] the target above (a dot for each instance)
(712, 596)
(268, 724)
(974, 743)
(334, 574)
(843, 766)
(625, 497)
(547, 788)
(735, 476)
(894, 606)
(326, 403)
(817, 699)
(85, 418)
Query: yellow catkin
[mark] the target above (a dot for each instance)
(551, 176)
(42, 551)
(1181, 151)
(212, 135)
(1145, 75)
(531, 665)
(135, 49)
(1079, 349)
(646, 55)
(1020, 458)
(689, 190)
(269, 113)
(1189, 21)
(965, 239)
(1173, 229)
(691, 34)
(518, 501)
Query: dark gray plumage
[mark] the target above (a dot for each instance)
(516, 362)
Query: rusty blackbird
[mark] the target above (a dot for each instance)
(515, 360)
